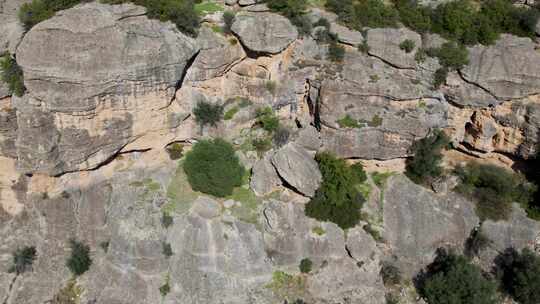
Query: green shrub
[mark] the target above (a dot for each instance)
(494, 189)
(23, 258)
(295, 11)
(79, 261)
(165, 289)
(343, 8)
(12, 74)
(476, 242)
(336, 52)
(425, 164)
(390, 274)
(414, 16)
(305, 265)
(175, 151)
(230, 113)
(34, 12)
(261, 145)
(166, 249)
(207, 113)
(363, 47)
(373, 13)
(420, 55)
(267, 119)
(303, 25)
(520, 274)
(452, 279)
(322, 22)
(228, 19)
(212, 167)
(439, 77)
(337, 199)
(452, 55)
(348, 122)
(407, 45)
(166, 220)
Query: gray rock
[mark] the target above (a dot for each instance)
(384, 43)
(315, 14)
(264, 178)
(206, 207)
(537, 28)
(246, 2)
(506, 69)
(309, 138)
(231, 2)
(298, 168)
(216, 56)
(417, 222)
(8, 129)
(432, 41)
(12, 30)
(258, 8)
(346, 35)
(264, 32)
(76, 119)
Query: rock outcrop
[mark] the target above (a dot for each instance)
(264, 32)
(74, 120)
(385, 44)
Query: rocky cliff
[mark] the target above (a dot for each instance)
(83, 154)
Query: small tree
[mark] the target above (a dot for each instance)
(267, 119)
(336, 52)
(453, 279)
(212, 167)
(305, 265)
(228, 19)
(79, 262)
(23, 258)
(12, 74)
(407, 45)
(425, 163)
(166, 220)
(207, 113)
(521, 275)
(166, 249)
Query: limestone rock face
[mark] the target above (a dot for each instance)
(99, 77)
(298, 168)
(264, 32)
(345, 35)
(12, 30)
(384, 43)
(417, 222)
(264, 178)
(507, 69)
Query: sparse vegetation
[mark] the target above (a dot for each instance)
(453, 279)
(390, 274)
(230, 113)
(305, 265)
(166, 220)
(281, 136)
(407, 45)
(476, 242)
(79, 261)
(175, 151)
(207, 113)
(425, 164)
(337, 199)
(267, 119)
(104, 245)
(286, 286)
(228, 20)
(70, 294)
(363, 47)
(348, 122)
(494, 189)
(295, 11)
(520, 275)
(166, 249)
(165, 289)
(318, 230)
(262, 144)
(336, 52)
(12, 74)
(23, 258)
(212, 167)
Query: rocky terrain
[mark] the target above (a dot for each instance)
(83, 154)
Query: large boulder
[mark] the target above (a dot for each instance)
(507, 69)
(385, 44)
(297, 167)
(264, 178)
(346, 35)
(12, 30)
(417, 222)
(264, 32)
(99, 77)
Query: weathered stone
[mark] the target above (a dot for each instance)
(258, 8)
(264, 178)
(246, 2)
(264, 32)
(309, 138)
(298, 168)
(12, 30)
(216, 56)
(346, 35)
(123, 95)
(231, 2)
(432, 41)
(8, 129)
(506, 69)
(206, 207)
(385, 44)
(417, 222)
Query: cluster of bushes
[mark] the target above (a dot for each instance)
(426, 162)
(494, 188)
(79, 261)
(520, 275)
(180, 12)
(364, 13)
(338, 199)
(212, 167)
(12, 74)
(452, 57)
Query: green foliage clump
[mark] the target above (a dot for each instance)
(452, 55)
(452, 279)
(262, 144)
(165, 289)
(175, 151)
(294, 10)
(207, 113)
(166, 249)
(267, 119)
(12, 74)
(166, 220)
(439, 77)
(425, 164)
(407, 45)
(348, 122)
(494, 189)
(79, 261)
(390, 274)
(228, 19)
(305, 265)
(337, 199)
(230, 113)
(23, 258)
(336, 52)
(520, 274)
(364, 13)
(212, 167)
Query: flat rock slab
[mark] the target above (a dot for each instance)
(346, 35)
(298, 168)
(508, 69)
(264, 178)
(384, 43)
(264, 32)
